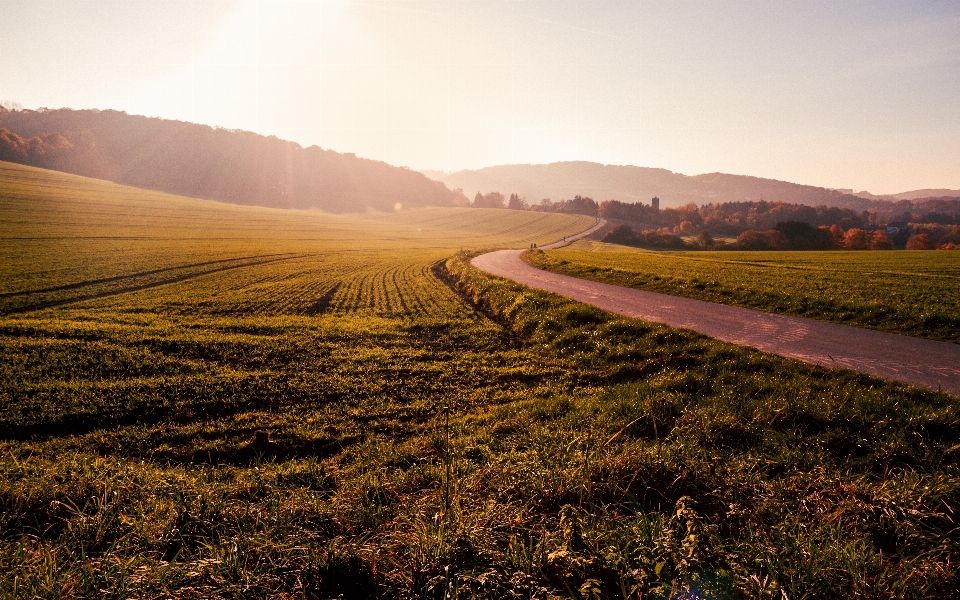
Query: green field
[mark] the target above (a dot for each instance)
(910, 292)
(429, 431)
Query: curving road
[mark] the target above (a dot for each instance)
(925, 363)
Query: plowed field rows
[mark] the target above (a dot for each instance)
(78, 244)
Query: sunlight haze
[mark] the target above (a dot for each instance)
(862, 95)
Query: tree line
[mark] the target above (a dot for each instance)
(759, 225)
(795, 235)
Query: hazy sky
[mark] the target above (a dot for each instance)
(862, 95)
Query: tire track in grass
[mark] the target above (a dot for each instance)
(130, 276)
(137, 288)
(320, 306)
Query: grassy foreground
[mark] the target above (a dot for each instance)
(910, 292)
(429, 431)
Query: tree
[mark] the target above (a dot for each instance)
(762, 240)
(517, 203)
(856, 239)
(621, 234)
(494, 200)
(580, 205)
(919, 241)
(705, 240)
(545, 205)
(778, 241)
(459, 198)
(881, 241)
(12, 147)
(753, 240)
(836, 232)
(478, 200)
(803, 236)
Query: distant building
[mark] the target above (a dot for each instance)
(896, 227)
(655, 203)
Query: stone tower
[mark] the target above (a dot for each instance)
(655, 203)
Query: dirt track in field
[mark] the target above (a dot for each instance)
(924, 363)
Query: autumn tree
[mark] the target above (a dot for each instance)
(12, 147)
(836, 232)
(919, 241)
(459, 198)
(880, 241)
(856, 239)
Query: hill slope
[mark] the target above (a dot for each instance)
(205, 162)
(58, 229)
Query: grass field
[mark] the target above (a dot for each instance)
(431, 431)
(910, 292)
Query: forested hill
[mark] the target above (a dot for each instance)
(207, 162)
(564, 180)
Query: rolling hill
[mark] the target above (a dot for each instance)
(564, 180)
(207, 162)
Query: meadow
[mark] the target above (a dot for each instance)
(913, 292)
(201, 400)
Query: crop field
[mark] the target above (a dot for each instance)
(200, 400)
(910, 292)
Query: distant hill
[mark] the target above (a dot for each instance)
(928, 193)
(206, 162)
(564, 180)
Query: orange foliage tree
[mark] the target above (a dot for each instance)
(856, 239)
(880, 241)
(919, 241)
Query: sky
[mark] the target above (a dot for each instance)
(859, 95)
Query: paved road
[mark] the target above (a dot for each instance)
(924, 363)
(571, 238)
